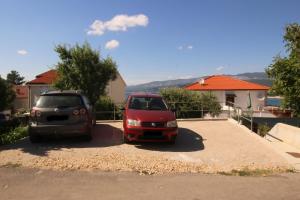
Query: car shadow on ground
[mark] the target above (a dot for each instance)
(186, 141)
(103, 135)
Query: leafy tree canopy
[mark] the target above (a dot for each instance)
(7, 95)
(285, 71)
(81, 68)
(13, 77)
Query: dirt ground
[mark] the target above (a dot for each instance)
(201, 146)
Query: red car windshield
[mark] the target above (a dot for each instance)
(147, 103)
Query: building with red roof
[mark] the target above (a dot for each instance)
(44, 78)
(230, 90)
(44, 81)
(21, 100)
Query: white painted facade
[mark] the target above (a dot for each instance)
(258, 98)
(115, 90)
(34, 92)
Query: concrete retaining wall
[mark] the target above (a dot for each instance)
(285, 133)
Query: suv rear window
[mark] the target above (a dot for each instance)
(55, 101)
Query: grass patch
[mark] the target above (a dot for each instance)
(290, 171)
(11, 165)
(255, 172)
(13, 135)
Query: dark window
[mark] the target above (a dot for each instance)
(54, 101)
(147, 103)
(230, 99)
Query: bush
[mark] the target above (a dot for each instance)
(7, 126)
(7, 95)
(210, 103)
(191, 104)
(13, 135)
(263, 129)
(105, 109)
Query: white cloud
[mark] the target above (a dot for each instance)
(220, 68)
(117, 23)
(112, 44)
(185, 47)
(22, 52)
(186, 77)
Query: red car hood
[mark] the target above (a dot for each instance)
(151, 115)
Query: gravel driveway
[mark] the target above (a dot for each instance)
(201, 146)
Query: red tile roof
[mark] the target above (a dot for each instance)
(222, 82)
(44, 78)
(21, 91)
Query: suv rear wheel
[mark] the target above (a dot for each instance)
(88, 136)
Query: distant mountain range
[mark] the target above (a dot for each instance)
(155, 86)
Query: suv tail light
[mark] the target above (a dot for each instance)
(35, 113)
(75, 112)
(82, 111)
(38, 113)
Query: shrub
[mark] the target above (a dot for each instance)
(210, 103)
(263, 129)
(190, 103)
(13, 135)
(106, 109)
(7, 126)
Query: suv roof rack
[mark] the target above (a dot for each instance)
(63, 91)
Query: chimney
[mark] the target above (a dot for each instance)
(202, 81)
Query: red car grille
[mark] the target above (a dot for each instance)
(153, 124)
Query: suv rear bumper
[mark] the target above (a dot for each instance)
(83, 128)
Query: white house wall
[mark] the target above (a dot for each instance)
(35, 91)
(242, 98)
(220, 96)
(257, 99)
(116, 90)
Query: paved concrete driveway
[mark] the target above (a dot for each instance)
(202, 146)
(36, 184)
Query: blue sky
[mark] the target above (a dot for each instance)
(153, 40)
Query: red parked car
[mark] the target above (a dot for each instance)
(148, 118)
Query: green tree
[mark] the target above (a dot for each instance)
(285, 71)
(13, 77)
(7, 95)
(81, 68)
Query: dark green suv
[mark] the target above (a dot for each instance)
(66, 113)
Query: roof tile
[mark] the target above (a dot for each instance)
(44, 78)
(222, 82)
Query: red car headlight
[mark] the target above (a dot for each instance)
(133, 122)
(172, 124)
